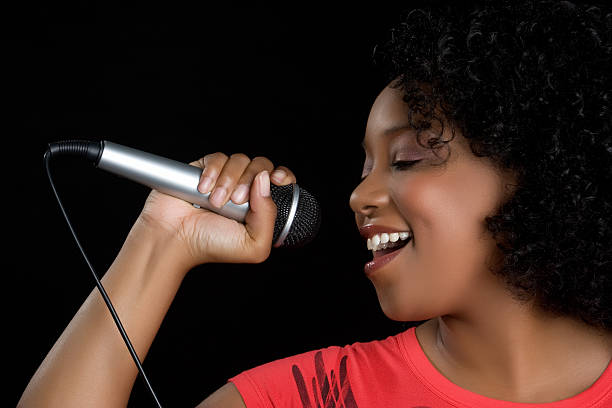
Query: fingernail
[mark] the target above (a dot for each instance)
(218, 196)
(205, 185)
(278, 175)
(240, 194)
(264, 184)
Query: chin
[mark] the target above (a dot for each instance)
(402, 312)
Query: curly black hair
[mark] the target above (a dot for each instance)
(528, 84)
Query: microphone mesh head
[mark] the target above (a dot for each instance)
(306, 221)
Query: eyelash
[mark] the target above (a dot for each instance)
(400, 165)
(404, 164)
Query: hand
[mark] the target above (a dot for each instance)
(209, 237)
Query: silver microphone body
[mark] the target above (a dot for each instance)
(168, 176)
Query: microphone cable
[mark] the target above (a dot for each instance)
(81, 148)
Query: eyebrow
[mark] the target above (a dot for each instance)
(390, 131)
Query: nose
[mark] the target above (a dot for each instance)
(369, 196)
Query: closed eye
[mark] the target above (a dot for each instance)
(404, 164)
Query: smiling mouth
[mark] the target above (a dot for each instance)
(391, 247)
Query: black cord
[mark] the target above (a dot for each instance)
(101, 288)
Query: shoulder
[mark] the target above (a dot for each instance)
(225, 397)
(336, 358)
(315, 376)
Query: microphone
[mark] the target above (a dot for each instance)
(298, 215)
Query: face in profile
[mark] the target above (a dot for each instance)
(441, 198)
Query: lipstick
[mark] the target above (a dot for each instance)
(380, 261)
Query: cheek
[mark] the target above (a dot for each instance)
(448, 207)
(438, 209)
(447, 213)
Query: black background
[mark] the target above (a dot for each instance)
(293, 83)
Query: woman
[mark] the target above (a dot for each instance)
(485, 198)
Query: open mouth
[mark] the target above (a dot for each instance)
(384, 253)
(384, 243)
(391, 247)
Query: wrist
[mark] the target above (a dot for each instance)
(163, 245)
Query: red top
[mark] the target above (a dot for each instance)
(394, 372)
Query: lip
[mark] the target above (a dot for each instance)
(381, 261)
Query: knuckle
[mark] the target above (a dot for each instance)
(257, 251)
(240, 156)
(215, 156)
(201, 162)
(212, 163)
(261, 254)
(263, 161)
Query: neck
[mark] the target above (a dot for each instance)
(510, 351)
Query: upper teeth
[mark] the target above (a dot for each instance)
(381, 241)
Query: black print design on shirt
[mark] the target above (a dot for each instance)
(323, 395)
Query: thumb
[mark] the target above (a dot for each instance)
(262, 214)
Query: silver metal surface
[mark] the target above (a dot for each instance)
(165, 175)
(290, 217)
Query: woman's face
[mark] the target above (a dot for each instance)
(443, 267)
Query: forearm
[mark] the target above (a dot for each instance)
(89, 365)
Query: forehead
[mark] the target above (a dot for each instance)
(388, 115)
